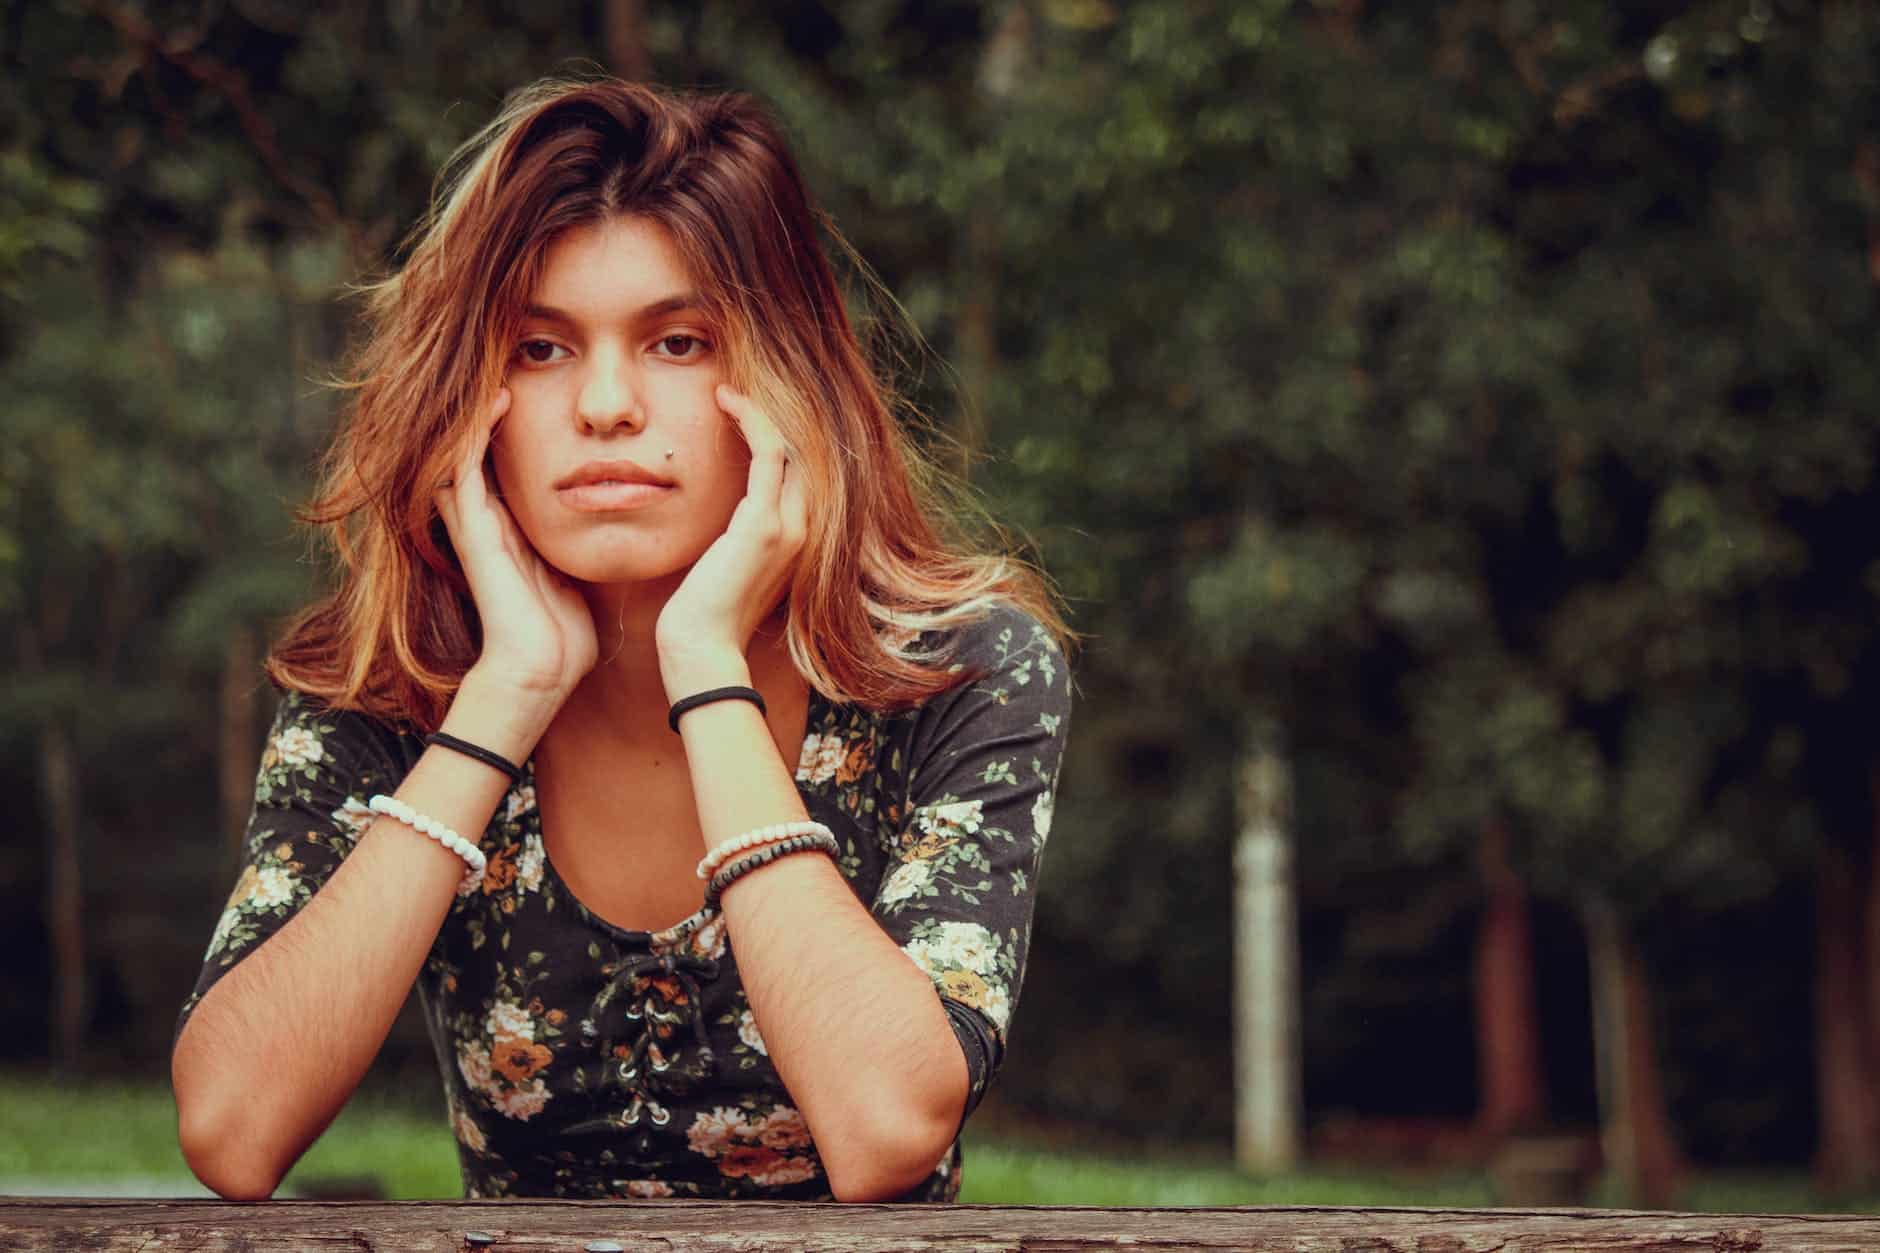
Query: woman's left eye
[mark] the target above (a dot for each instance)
(681, 346)
(538, 351)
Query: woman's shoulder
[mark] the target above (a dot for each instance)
(309, 731)
(997, 661)
(1002, 639)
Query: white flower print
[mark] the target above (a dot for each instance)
(820, 759)
(273, 886)
(297, 746)
(519, 801)
(529, 864)
(522, 1104)
(997, 1004)
(223, 926)
(788, 1170)
(709, 940)
(713, 1131)
(955, 818)
(807, 756)
(353, 817)
(645, 1189)
(506, 1018)
(905, 883)
(969, 946)
(1041, 815)
(473, 1062)
(955, 946)
(468, 1133)
(747, 1032)
(783, 1128)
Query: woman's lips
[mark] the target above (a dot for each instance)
(611, 497)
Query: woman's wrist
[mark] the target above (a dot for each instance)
(688, 671)
(503, 716)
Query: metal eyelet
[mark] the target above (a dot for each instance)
(660, 1116)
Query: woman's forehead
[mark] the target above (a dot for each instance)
(613, 271)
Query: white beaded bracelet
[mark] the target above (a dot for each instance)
(755, 839)
(473, 858)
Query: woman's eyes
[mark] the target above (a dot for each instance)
(678, 346)
(682, 347)
(536, 351)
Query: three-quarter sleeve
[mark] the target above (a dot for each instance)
(968, 835)
(318, 769)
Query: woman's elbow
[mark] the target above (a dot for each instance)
(889, 1165)
(216, 1157)
(216, 1146)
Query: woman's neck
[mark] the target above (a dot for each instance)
(623, 699)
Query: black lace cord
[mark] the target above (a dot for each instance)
(628, 1070)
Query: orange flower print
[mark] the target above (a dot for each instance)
(933, 845)
(859, 755)
(749, 1159)
(517, 1060)
(500, 872)
(964, 986)
(669, 987)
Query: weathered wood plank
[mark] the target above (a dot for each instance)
(108, 1226)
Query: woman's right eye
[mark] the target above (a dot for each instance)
(538, 351)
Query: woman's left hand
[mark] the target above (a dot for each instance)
(707, 623)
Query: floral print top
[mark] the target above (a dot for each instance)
(583, 1060)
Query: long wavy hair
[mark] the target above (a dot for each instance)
(883, 560)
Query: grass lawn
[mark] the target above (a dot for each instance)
(62, 1136)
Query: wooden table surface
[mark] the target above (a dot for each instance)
(147, 1226)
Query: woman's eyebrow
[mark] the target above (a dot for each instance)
(645, 313)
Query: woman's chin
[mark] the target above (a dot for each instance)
(621, 569)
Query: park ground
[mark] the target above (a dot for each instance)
(99, 1138)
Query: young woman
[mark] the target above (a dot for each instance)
(654, 728)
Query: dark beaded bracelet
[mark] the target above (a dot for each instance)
(477, 752)
(686, 704)
(763, 857)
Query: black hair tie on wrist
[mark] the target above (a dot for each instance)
(478, 752)
(688, 703)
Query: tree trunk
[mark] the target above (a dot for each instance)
(1511, 1079)
(1845, 1155)
(1635, 1128)
(59, 793)
(1869, 968)
(1001, 68)
(238, 755)
(1267, 1080)
(624, 31)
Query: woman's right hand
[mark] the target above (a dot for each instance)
(538, 636)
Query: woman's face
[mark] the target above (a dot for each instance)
(614, 457)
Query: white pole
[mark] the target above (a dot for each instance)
(1267, 1096)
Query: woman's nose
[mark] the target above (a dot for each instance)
(610, 395)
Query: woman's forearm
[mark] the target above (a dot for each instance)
(854, 1027)
(277, 1046)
